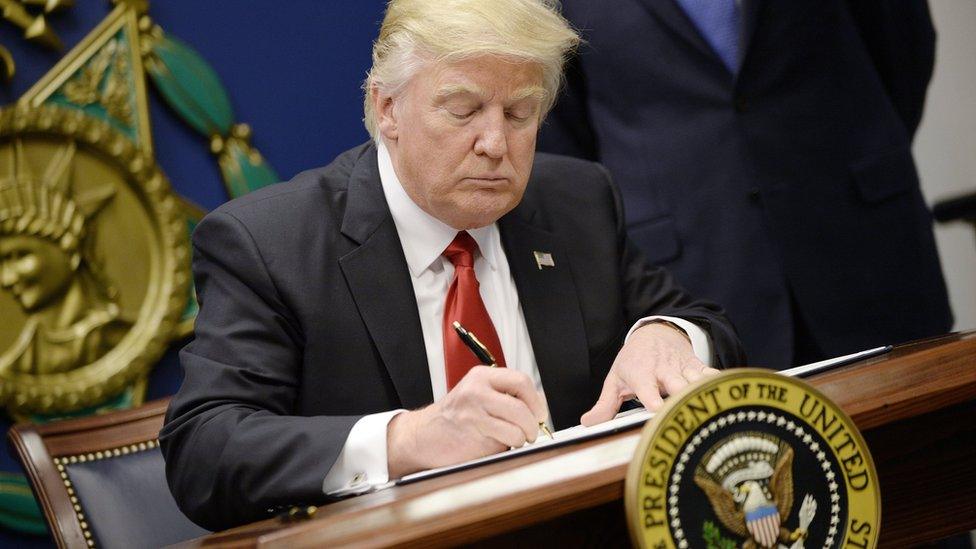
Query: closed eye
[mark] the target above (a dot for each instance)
(522, 111)
(461, 114)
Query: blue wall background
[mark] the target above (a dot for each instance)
(293, 71)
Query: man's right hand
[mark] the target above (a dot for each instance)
(488, 411)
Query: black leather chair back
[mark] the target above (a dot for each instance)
(125, 500)
(100, 480)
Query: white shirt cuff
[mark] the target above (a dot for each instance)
(701, 344)
(361, 465)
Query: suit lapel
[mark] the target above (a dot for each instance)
(552, 315)
(379, 280)
(675, 18)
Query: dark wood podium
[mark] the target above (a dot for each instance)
(916, 408)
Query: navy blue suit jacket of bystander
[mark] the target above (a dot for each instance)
(785, 191)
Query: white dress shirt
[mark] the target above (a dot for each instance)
(362, 463)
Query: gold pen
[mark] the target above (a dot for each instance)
(482, 353)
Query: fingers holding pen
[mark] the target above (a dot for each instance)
(506, 395)
(512, 411)
(520, 386)
(509, 382)
(489, 410)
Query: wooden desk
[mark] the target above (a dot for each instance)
(915, 406)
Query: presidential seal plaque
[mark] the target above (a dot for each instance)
(750, 458)
(93, 261)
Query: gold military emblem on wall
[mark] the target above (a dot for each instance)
(93, 260)
(94, 255)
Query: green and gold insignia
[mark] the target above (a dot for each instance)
(94, 271)
(93, 260)
(93, 244)
(752, 459)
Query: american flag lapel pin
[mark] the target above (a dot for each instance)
(543, 259)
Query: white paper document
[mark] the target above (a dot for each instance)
(623, 420)
(815, 367)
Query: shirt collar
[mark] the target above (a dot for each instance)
(423, 236)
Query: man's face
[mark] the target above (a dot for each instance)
(462, 137)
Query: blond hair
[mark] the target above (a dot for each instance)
(417, 32)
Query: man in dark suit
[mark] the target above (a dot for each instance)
(763, 153)
(324, 361)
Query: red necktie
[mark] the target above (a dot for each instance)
(464, 305)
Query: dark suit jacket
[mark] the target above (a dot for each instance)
(787, 191)
(308, 321)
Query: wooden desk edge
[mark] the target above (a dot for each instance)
(954, 356)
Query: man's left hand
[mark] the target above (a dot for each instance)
(657, 360)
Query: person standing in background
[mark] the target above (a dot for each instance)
(763, 150)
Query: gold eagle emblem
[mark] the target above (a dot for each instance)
(748, 479)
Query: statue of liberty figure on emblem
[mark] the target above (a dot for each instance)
(48, 264)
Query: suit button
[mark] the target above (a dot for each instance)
(740, 104)
(754, 194)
